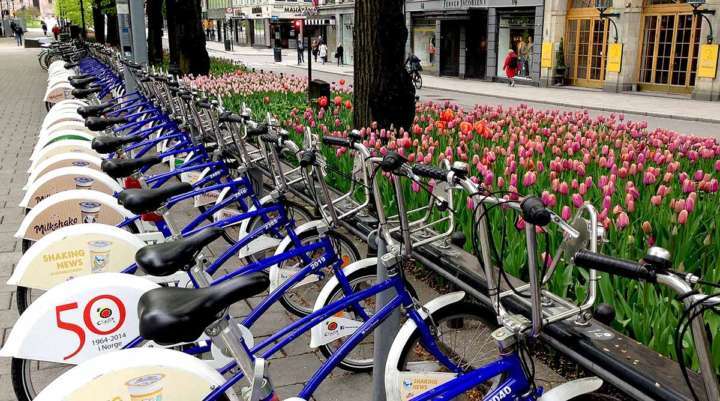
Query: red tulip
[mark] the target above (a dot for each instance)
(323, 101)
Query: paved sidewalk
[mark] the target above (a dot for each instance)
(22, 87)
(646, 104)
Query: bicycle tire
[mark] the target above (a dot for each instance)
(417, 80)
(448, 313)
(367, 275)
(346, 250)
(293, 209)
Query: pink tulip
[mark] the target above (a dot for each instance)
(563, 188)
(656, 200)
(565, 213)
(577, 200)
(622, 221)
(470, 204)
(529, 179)
(682, 217)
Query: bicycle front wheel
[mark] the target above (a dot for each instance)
(300, 299)
(463, 333)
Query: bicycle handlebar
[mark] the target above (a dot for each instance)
(616, 266)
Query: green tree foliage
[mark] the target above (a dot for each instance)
(70, 9)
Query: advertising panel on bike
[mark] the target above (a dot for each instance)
(78, 206)
(76, 159)
(140, 374)
(85, 317)
(66, 179)
(75, 251)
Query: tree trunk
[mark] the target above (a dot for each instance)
(174, 56)
(155, 27)
(98, 21)
(113, 35)
(193, 56)
(383, 90)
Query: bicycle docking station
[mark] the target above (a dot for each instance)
(616, 358)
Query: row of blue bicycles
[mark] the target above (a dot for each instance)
(151, 212)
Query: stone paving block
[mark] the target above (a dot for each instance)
(355, 387)
(294, 369)
(269, 323)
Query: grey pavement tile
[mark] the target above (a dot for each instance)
(356, 387)
(293, 369)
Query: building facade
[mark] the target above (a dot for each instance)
(651, 45)
(257, 23)
(471, 38)
(337, 21)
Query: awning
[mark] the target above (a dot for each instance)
(320, 21)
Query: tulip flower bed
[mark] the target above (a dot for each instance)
(650, 186)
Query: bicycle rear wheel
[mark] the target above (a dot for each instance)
(463, 332)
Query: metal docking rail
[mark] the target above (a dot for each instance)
(632, 367)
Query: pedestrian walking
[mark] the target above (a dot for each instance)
(323, 52)
(19, 34)
(43, 25)
(56, 31)
(510, 66)
(314, 48)
(301, 51)
(339, 53)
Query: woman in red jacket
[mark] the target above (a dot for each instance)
(511, 66)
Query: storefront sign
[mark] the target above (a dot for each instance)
(614, 58)
(546, 60)
(707, 67)
(464, 3)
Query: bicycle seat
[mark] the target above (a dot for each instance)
(121, 168)
(170, 257)
(93, 111)
(171, 315)
(107, 143)
(148, 200)
(101, 123)
(81, 83)
(83, 93)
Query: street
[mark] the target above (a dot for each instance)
(660, 111)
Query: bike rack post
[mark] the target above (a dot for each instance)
(386, 332)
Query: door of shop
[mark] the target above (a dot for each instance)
(586, 47)
(670, 43)
(450, 48)
(476, 45)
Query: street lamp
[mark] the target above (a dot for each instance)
(602, 6)
(696, 4)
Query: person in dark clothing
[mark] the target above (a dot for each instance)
(19, 32)
(43, 25)
(339, 53)
(301, 51)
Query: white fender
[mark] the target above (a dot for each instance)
(263, 242)
(64, 179)
(63, 160)
(63, 209)
(59, 90)
(394, 379)
(278, 275)
(79, 319)
(61, 124)
(153, 372)
(60, 135)
(325, 331)
(75, 251)
(572, 389)
(67, 115)
(62, 147)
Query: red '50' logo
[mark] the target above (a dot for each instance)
(103, 313)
